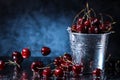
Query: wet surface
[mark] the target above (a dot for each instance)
(24, 73)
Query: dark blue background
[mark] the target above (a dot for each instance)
(37, 23)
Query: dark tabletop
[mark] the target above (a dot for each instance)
(11, 72)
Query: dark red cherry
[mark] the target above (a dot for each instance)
(46, 72)
(58, 72)
(36, 65)
(45, 51)
(77, 69)
(80, 21)
(87, 23)
(95, 22)
(66, 66)
(97, 72)
(92, 30)
(24, 76)
(17, 57)
(80, 28)
(26, 53)
(57, 61)
(73, 28)
(67, 56)
(102, 28)
(2, 65)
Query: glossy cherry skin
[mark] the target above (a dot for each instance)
(35, 65)
(77, 69)
(47, 72)
(2, 65)
(57, 61)
(24, 76)
(97, 72)
(45, 51)
(87, 23)
(67, 56)
(26, 53)
(17, 57)
(95, 22)
(58, 72)
(80, 21)
(92, 30)
(80, 28)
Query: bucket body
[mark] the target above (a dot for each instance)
(89, 49)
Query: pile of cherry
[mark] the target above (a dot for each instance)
(63, 64)
(90, 24)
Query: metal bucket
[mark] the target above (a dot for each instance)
(88, 49)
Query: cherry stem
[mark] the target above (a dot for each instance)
(12, 62)
(76, 16)
(88, 14)
(42, 67)
(108, 57)
(101, 18)
(93, 12)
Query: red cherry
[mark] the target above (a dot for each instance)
(92, 30)
(2, 65)
(17, 57)
(77, 69)
(26, 53)
(80, 28)
(45, 51)
(24, 76)
(57, 61)
(95, 22)
(36, 65)
(80, 21)
(97, 72)
(87, 23)
(46, 72)
(66, 66)
(58, 72)
(73, 28)
(67, 57)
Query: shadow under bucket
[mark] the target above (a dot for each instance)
(89, 49)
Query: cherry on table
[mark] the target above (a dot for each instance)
(26, 53)
(97, 72)
(67, 56)
(45, 51)
(47, 72)
(2, 65)
(36, 65)
(58, 72)
(17, 57)
(77, 69)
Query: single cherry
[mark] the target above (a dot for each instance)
(77, 69)
(2, 65)
(95, 22)
(26, 53)
(97, 72)
(45, 51)
(46, 72)
(17, 57)
(67, 56)
(36, 65)
(58, 72)
(80, 21)
(87, 23)
(57, 61)
(24, 76)
(92, 30)
(81, 28)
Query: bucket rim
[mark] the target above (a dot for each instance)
(69, 30)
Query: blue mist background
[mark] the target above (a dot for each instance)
(38, 23)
